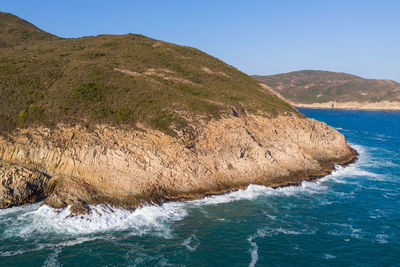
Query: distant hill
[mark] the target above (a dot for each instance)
(318, 88)
(117, 79)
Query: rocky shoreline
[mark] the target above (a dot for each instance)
(77, 167)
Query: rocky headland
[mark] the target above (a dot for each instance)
(126, 120)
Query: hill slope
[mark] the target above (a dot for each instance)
(321, 88)
(122, 79)
(16, 31)
(125, 119)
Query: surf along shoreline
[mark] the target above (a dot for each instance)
(294, 179)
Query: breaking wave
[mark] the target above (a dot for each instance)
(156, 219)
(34, 220)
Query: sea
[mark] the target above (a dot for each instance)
(348, 218)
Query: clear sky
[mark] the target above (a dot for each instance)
(361, 37)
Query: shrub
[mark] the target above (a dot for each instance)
(88, 91)
(123, 115)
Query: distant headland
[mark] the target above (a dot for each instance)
(325, 89)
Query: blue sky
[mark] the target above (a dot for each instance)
(257, 37)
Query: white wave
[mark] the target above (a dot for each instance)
(306, 187)
(254, 191)
(383, 136)
(378, 139)
(351, 171)
(356, 233)
(282, 230)
(19, 209)
(360, 149)
(389, 163)
(391, 196)
(253, 252)
(266, 231)
(329, 256)
(37, 220)
(188, 242)
(33, 220)
(250, 193)
(382, 238)
(154, 219)
(76, 241)
(378, 213)
(287, 232)
(272, 217)
(49, 245)
(341, 174)
(254, 247)
(344, 229)
(52, 260)
(324, 202)
(150, 219)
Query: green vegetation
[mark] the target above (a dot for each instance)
(116, 79)
(309, 86)
(87, 92)
(15, 31)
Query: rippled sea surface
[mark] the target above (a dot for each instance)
(351, 217)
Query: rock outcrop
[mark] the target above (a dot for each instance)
(126, 168)
(21, 185)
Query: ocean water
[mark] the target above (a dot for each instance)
(349, 218)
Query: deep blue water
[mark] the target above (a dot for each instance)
(351, 217)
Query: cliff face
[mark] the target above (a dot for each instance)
(125, 167)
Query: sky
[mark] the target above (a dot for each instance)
(360, 37)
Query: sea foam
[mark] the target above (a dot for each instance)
(153, 219)
(191, 243)
(149, 219)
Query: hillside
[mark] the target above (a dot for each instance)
(122, 79)
(317, 88)
(15, 31)
(125, 120)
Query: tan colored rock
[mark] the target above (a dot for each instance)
(20, 185)
(125, 167)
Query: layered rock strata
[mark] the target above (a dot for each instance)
(127, 168)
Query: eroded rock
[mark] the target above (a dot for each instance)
(125, 167)
(21, 185)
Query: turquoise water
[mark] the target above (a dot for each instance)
(351, 217)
